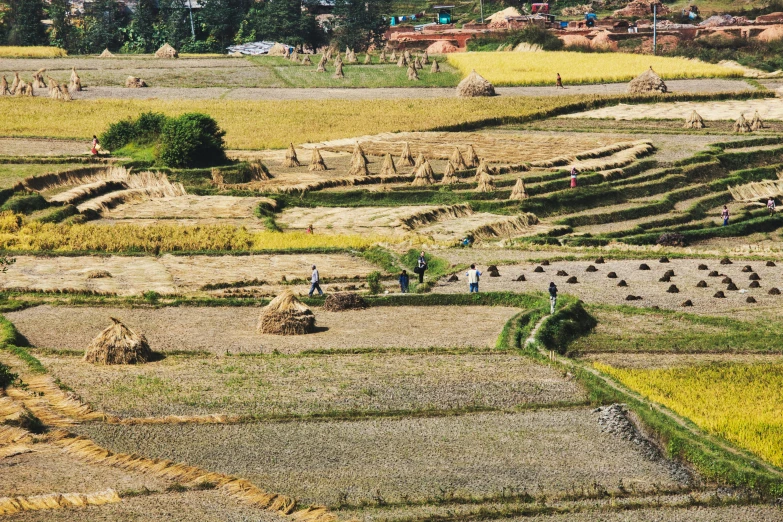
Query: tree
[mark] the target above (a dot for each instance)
(178, 29)
(61, 33)
(104, 26)
(222, 18)
(24, 23)
(281, 21)
(141, 31)
(360, 23)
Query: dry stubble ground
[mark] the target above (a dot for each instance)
(264, 386)
(233, 330)
(479, 454)
(652, 361)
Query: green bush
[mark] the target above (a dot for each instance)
(143, 130)
(531, 34)
(25, 203)
(6, 376)
(192, 140)
(565, 326)
(59, 214)
(374, 282)
(118, 135)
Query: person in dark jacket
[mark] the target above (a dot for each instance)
(421, 267)
(552, 297)
(404, 281)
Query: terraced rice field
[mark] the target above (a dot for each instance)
(769, 109)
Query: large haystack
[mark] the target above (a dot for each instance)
(406, 159)
(449, 176)
(575, 40)
(106, 54)
(290, 160)
(166, 51)
(519, 193)
(286, 315)
(424, 175)
(278, 49)
(647, 82)
(435, 67)
(483, 168)
(338, 71)
(131, 82)
(412, 74)
(457, 160)
(603, 42)
(475, 85)
(472, 160)
(756, 123)
(358, 162)
(771, 34)
(342, 301)
(485, 183)
(118, 344)
(442, 47)
(694, 121)
(388, 168)
(419, 162)
(76, 83)
(38, 80)
(317, 162)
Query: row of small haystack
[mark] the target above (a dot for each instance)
(57, 91)
(742, 125)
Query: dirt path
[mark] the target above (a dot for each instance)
(249, 93)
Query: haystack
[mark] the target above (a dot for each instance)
(4, 90)
(419, 161)
(457, 160)
(482, 169)
(756, 123)
(603, 42)
(367, 59)
(519, 192)
(647, 82)
(276, 50)
(407, 55)
(358, 163)
(322, 64)
(306, 60)
(294, 57)
(15, 83)
(694, 121)
(424, 175)
(741, 125)
(393, 57)
(406, 159)
(76, 82)
(65, 93)
(435, 67)
(412, 74)
(290, 160)
(338, 72)
(350, 56)
(131, 82)
(485, 183)
(388, 168)
(23, 89)
(771, 34)
(317, 161)
(473, 159)
(475, 85)
(442, 47)
(287, 53)
(382, 57)
(425, 58)
(344, 301)
(106, 54)
(38, 80)
(166, 51)
(417, 64)
(402, 62)
(449, 176)
(286, 315)
(118, 344)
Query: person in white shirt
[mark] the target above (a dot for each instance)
(473, 276)
(315, 283)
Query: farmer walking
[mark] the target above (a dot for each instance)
(573, 177)
(404, 281)
(552, 297)
(95, 145)
(771, 205)
(725, 215)
(421, 267)
(315, 283)
(559, 84)
(473, 276)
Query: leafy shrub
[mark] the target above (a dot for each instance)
(149, 126)
(6, 376)
(118, 135)
(672, 239)
(192, 140)
(374, 282)
(565, 326)
(25, 203)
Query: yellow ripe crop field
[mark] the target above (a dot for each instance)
(541, 68)
(19, 235)
(268, 124)
(740, 402)
(9, 51)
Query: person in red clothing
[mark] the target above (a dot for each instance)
(573, 177)
(559, 84)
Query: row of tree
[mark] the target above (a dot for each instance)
(109, 24)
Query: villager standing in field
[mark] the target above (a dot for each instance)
(552, 297)
(310, 229)
(771, 205)
(421, 267)
(315, 283)
(404, 281)
(573, 177)
(725, 215)
(473, 276)
(95, 145)
(559, 84)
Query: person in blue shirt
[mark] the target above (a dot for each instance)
(404, 281)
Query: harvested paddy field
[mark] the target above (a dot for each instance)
(768, 108)
(596, 287)
(204, 506)
(168, 274)
(43, 147)
(46, 469)
(471, 455)
(760, 513)
(652, 361)
(281, 386)
(233, 330)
